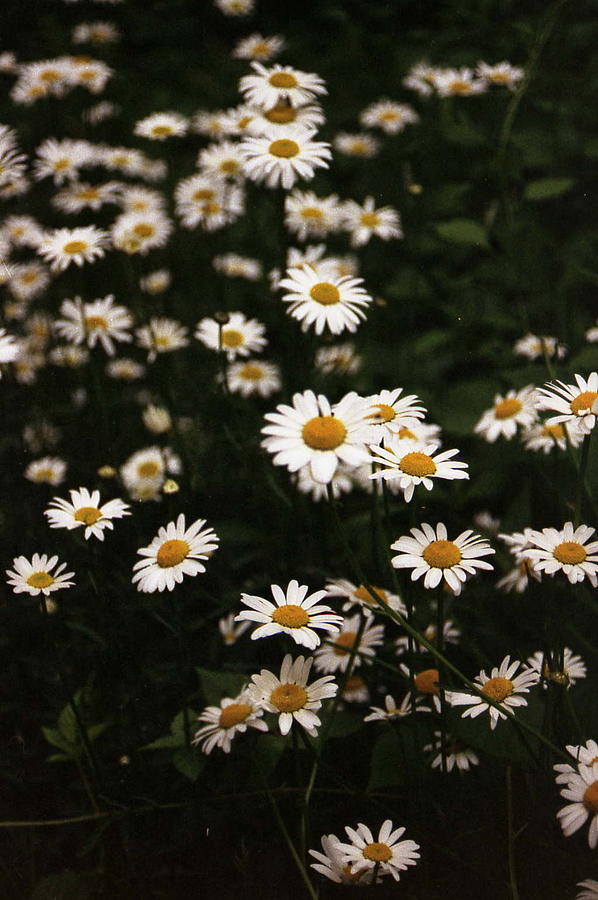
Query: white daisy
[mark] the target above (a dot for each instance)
(572, 402)
(234, 266)
(290, 696)
(162, 335)
(359, 595)
(573, 668)
(534, 347)
(101, 320)
(262, 49)
(355, 690)
(278, 117)
(176, 551)
(590, 889)
(10, 347)
(125, 369)
(230, 631)
(582, 790)
(144, 472)
(233, 716)
(548, 437)
(36, 577)
(388, 115)
(391, 711)
(364, 221)
(386, 855)
(63, 246)
(459, 83)
(502, 686)
(62, 160)
(360, 145)
(235, 7)
(28, 280)
(410, 463)
(160, 126)
(81, 195)
(156, 282)
(450, 635)
(516, 408)
(566, 551)
(456, 754)
(308, 215)
(334, 657)
(156, 419)
(396, 416)
(422, 79)
(293, 613)
(341, 359)
(341, 484)
(336, 304)
(255, 376)
(267, 87)
(238, 337)
(47, 470)
(592, 334)
(502, 74)
(84, 511)
(331, 864)
(279, 157)
(140, 232)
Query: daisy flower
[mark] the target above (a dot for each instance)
(156, 282)
(233, 716)
(95, 33)
(426, 684)
(459, 83)
(262, 49)
(363, 221)
(308, 215)
(235, 7)
(566, 551)
(293, 613)
(140, 232)
(176, 551)
(82, 195)
(47, 470)
(589, 892)
(238, 337)
(534, 347)
(162, 335)
(221, 160)
(311, 432)
(582, 790)
(290, 696)
(422, 79)
(341, 359)
(255, 376)
(334, 657)
(36, 577)
(144, 472)
(230, 631)
(502, 686)
(572, 670)
(411, 463)
(336, 304)
(431, 554)
(546, 437)
(156, 419)
(572, 402)
(125, 369)
(363, 145)
(592, 334)
(331, 864)
(386, 855)
(388, 115)
(267, 87)
(392, 414)
(278, 117)
(62, 160)
(355, 690)
(101, 320)
(160, 126)
(278, 158)
(456, 754)
(10, 347)
(214, 124)
(450, 635)
(84, 511)
(63, 246)
(28, 280)
(234, 266)
(342, 484)
(516, 408)
(391, 711)
(502, 74)
(360, 596)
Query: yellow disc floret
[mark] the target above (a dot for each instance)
(583, 402)
(75, 247)
(569, 553)
(323, 433)
(40, 580)
(290, 615)
(283, 80)
(504, 409)
(171, 553)
(288, 697)
(325, 293)
(442, 554)
(89, 515)
(284, 148)
(234, 714)
(417, 464)
(377, 852)
(498, 689)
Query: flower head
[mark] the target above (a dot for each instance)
(233, 716)
(279, 158)
(63, 246)
(335, 304)
(410, 463)
(516, 408)
(290, 696)
(267, 87)
(36, 576)
(573, 402)
(84, 511)
(176, 551)
(387, 855)
(566, 551)
(502, 686)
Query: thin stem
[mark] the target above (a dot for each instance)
(183, 667)
(441, 675)
(581, 478)
(290, 845)
(511, 835)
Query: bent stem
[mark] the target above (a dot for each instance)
(283, 830)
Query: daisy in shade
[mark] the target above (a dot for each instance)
(360, 596)
(361, 145)
(160, 126)
(162, 335)
(341, 359)
(308, 215)
(311, 432)
(582, 790)
(267, 87)
(410, 463)
(572, 670)
(427, 688)
(342, 484)
(63, 246)
(393, 413)
(84, 511)
(431, 554)
(457, 755)
(176, 551)
(278, 117)
(334, 657)
(572, 402)
(36, 576)
(391, 711)
(231, 632)
(519, 544)
(221, 160)
(290, 696)
(233, 716)
(566, 551)
(516, 408)
(587, 754)
(355, 690)
(293, 613)
(459, 83)
(234, 266)
(47, 470)
(363, 221)
(391, 117)
(450, 635)
(137, 232)
(255, 376)
(534, 346)
(548, 437)
(502, 686)
(502, 74)
(336, 304)
(279, 157)
(387, 855)
(240, 336)
(331, 864)
(262, 49)
(589, 892)
(101, 320)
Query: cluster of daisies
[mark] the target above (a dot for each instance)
(427, 80)
(56, 77)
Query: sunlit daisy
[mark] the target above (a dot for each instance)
(308, 215)
(501, 686)
(515, 409)
(335, 655)
(233, 716)
(277, 118)
(336, 304)
(572, 402)
(572, 669)
(144, 472)
(279, 158)
(267, 87)
(394, 415)
(364, 221)
(36, 576)
(410, 463)
(176, 551)
(160, 126)
(47, 470)
(290, 696)
(456, 754)
(84, 511)
(388, 115)
(386, 856)
(100, 320)
(140, 232)
(254, 376)
(240, 336)
(566, 551)
(62, 160)
(162, 335)
(63, 246)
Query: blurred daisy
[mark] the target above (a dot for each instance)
(450, 635)
(101, 320)
(233, 716)
(573, 402)
(311, 432)
(255, 376)
(426, 684)
(63, 246)
(386, 855)
(267, 87)
(69, 356)
(456, 754)
(592, 334)
(293, 613)
(341, 359)
(262, 49)
(422, 79)
(95, 33)
(502, 686)
(566, 551)
(82, 195)
(391, 117)
(84, 511)
(144, 472)
(176, 551)
(341, 484)
(278, 117)
(355, 690)
(431, 554)
(160, 126)
(363, 221)
(548, 437)
(582, 790)
(230, 631)
(214, 124)
(221, 160)
(334, 657)
(125, 369)
(391, 711)
(392, 414)
(10, 347)
(359, 595)
(235, 7)
(502, 74)
(459, 83)
(308, 215)
(62, 160)
(332, 865)
(47, 470)
(156, 282)
(290, 696)
(28, 280)
(35, 577)
(336, 304)
(238, 337)
(411, 463)
(162, 335)
(280, 158)
(234, 266)
(572, 670)
(363, 145)
(140, 232)
(534, 347)
(156, 419)
(515, 409)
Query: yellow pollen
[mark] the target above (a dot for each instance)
(350, 874)
(148, 469)
(460, 87)
(363, 594)
(346, 640)
(556, 432)
(312, 212)
(96, 323)
(418, 464)
(211, 208)
(61, 164)
(282, 80)
(81, 60)
(583, 401)
(385, 412)
(231, 337)
(203, 194)
(498, 689)
(569, 552)
(504, 409)
(89, 194)
(260, 49)
(119, 159)
(234, 714)
(499, 78)
(325, 293)
(390, 115)
(171, 553)
(590, 798)
(284, 148)
(251, 372)
(369, 219)
(161, 130)
(323, 433)
(89, 515)
(43, 475)
(442, 554)
(29, 277)
(244, 122)
(288, 697)
(144, 230)
(40, 580)
(88, 74)
(426, 682)
(75, 247)
(49, 75)
(290, 615)
(229, 166)
(281, 114)
(406, 433)
(377, 852)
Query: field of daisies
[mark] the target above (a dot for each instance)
(298, 510)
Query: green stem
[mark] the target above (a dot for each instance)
(183, 667)
(297, 859)
(581, 478)
(511, 835)
(441, 674)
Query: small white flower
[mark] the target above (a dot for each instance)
(267, 87)
(100, 320)
(84, 511)
(335, 656)
(582, 790)
(230, 631)
(502, 686)
(391, 711)
(389, 116)
(234, 716)
(281, 156)
(160, 126)
(331, 864)
(566, 550)
(36, 577)
(516, 408)
(290, 696)
(364, 221)
(411, 463)
(176, 551)
(572, 670)
(386, 855)
(572, 402)
(336, 303)
(240, 336)
(63, 246)
(47, 470)
(457, 755)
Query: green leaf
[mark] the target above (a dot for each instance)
(385, 766)
(345, 723)
(189, 762)
(94, 731)
(57, 739)
(167, 742)
(216, 685)
(59, 757)
(462, 231)
(67, 725)
(545, 188)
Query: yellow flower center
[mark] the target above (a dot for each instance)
(498, 688)
(251, 372)
(89, 194)
(504, 409)
(590, 798)
(406, 434)
(234, 714)
(583, 401)
(288, 697)
(569, 552)
(244, 122)
(460, 87)
(377, 852)
(203, 194)
(75, 247)
(499, 78)
(148, 469)
(43, 475)
(323, 433)
(362, 593)
(88, 514)
(385, 412)
(344, 643)
(556, 432)
(96, 323)
(282, 80)
(260, 49)
(61, 164)
(390, 115)
(161, 130)
(290, 615)
(325, 293)
(442, 554)
(281, 114)
(369, 219)
(49, 75)
(29, 277)
(171, 553)
(359, 148)
(144, 230)
(426, 682)
(40, 580)
(354, 683)
(229, 166)
(211, 208)
(418, 464)
(312, 212)
(284, 148)
(231, 337)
